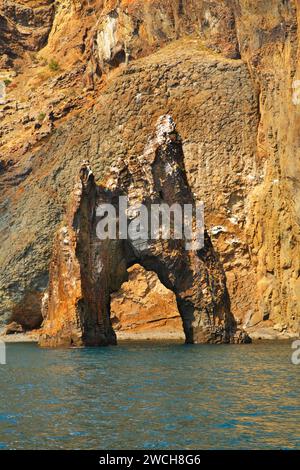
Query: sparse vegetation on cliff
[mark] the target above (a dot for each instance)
(53, 65)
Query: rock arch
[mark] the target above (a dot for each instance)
(85, 270)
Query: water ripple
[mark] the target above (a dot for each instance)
(150, 396)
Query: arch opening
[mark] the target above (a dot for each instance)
(144, 309)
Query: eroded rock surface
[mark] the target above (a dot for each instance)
(179, 78)
(25, 26)
(85, 270)
(143, 307)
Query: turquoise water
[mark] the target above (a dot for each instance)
(150, 395)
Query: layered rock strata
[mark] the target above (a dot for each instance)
(212, 100)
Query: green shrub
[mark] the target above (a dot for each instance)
(53, 65)
(7, 82)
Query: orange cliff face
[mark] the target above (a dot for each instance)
(89, 79)
(60, 309)
(25, 26)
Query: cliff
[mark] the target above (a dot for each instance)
(89, 80)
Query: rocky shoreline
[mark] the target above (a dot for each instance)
(259, 334)
(29, 337)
